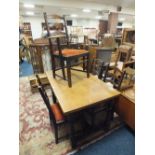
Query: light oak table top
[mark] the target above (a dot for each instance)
(83, 93)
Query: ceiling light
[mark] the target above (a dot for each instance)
(29, 6)
(30, 13)
(86, 10)
(98, 17)
(74, 15)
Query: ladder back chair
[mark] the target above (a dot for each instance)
(120, 79)
(41, 84)
(65, 56)
(124, 56)
(55, 114)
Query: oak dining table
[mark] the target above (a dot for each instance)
(84, 93)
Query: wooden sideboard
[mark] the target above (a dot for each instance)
(125, 108)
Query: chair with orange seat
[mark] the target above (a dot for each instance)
(65, 56)
(56, 116)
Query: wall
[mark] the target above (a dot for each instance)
(37, 29)
(35, 25)
(127, 25)
(86, 23)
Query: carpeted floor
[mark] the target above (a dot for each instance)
(36, 135)
(25, 69)
(120, 142)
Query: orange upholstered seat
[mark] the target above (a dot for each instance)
(72, 52)
(59, 117)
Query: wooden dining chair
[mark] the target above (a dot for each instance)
(65, 56)
(55, 114)
(120, 79)
(123, 57)
(128, 79)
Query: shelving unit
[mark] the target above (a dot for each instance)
(27, 29)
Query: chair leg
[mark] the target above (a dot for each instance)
(63, 69)
(84, 66)
(106, 72)
(53, 66)
(56, 135)
(69, 73)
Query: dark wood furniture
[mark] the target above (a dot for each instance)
(36, 57)
(103, 26)
(65, 55)
(55, 114)
(115, 76)
(84, 94)
(40, 54)
(121, 80)
(26, 28)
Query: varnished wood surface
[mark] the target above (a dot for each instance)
(126, 110)
(83, 93)
(130, 94)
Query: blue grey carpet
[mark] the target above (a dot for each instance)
(25, 69)
(120, 142)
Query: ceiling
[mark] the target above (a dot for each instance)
(68, 7)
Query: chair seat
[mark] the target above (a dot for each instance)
(59, 117)
(71, 52)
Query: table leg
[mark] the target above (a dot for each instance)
(84, 66)
(53, 66)
(63, 69)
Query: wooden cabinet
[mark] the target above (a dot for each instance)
(103, 26)
(27, 29)
(125, 108)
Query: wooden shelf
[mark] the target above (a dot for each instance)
(27, 29)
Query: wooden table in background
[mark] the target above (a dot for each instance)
(85, 92)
